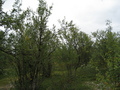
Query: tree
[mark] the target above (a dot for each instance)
(31, 44)
(1, 3)
(106, 55)
(2, 55)
(76, 44)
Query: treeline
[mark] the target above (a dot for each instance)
(34, 51)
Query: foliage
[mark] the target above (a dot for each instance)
(31, 44)
(75, 46)
(106, 56)
(2, 61)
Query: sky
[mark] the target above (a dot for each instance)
(88, 15)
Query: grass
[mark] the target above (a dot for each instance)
(4, 82)
(6, 78)
(60, 81)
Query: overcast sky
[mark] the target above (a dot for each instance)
(88, 15)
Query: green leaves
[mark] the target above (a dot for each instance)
(30, 42)
(75, 45)
(106, 54)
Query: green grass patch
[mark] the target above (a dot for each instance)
(60, 80)
(4, 82)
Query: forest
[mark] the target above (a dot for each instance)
(36, 57)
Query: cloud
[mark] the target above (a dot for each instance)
(89, 15)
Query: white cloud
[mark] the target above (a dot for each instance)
(89, 15)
